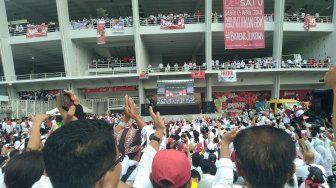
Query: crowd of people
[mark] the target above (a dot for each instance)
(39, 95)
(255, 150)
(257, 63)
(91, 23)
(310, 63)
(152, 19)
(113, 61)
(299, 16)
(21, 29)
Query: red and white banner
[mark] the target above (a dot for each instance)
(235, 102)
(110, 89)
(36, 31)
(309, 21)
(101, 39)
(198, 74)
(143, 75)
(227, 76)
(244, 24)
(178, 23)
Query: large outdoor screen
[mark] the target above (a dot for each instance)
(175, 92)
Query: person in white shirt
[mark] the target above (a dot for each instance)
(206, 178)
(161, 67)
(176, 67)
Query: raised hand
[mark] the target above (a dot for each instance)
(157, 120)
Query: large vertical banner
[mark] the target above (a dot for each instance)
(101, 39)
(244, 24)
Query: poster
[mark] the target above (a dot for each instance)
(309, 21)
(118, 26)
(178, 23)
(143, 75)
(200, 74)
(244, 24)
(36, 31)
(236, 102)
(101, 39)
(227, 76)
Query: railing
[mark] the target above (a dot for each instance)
(111, 103)
(5, 109)
(116, 67)
(306, 65)
(174, 69)
(40, 76)
(92, 24)
(300, 19)
(245, 67)
(187, 20)
(23, 30)
(220, 18)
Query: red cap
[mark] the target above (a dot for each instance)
(170, 140)
(172, 166)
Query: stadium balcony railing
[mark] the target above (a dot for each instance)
(300, 19)
(80, 25)
(267, 18)
(111, 103)
(187, 20)
(174, 69)
(13, 32)
(114, 67)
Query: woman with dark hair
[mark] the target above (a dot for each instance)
(315, 178)
(23, 170)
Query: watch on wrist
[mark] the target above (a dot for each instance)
(156, 139)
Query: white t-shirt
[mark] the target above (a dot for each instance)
(44, 182)
(206, 181)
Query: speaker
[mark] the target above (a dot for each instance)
(208, 107)
(145, 109)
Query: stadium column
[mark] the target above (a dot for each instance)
(276, 87)
(138, 50)
(69, 56)
(208, 89)
(279, 10)
(5, 47)
(208, 34)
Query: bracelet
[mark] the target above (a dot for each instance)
(122, 124)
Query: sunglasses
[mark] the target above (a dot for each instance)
(115, 163)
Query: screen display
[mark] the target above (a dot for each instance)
(175, 92)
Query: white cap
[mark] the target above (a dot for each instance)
(288, 131)
(211, 146)
(322, 129)
(308, 125)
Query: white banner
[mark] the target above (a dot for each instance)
(227, 76)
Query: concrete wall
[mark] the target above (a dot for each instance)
(83, 58)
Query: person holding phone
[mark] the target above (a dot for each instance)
(69, 106)
(330, 80)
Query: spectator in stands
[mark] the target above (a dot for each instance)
(161, 68)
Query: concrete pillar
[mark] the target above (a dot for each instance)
(208, 95)
(69, 55)
(137, 39)
(5, 47)
(279, 10)
(276, 87)
(208, 33)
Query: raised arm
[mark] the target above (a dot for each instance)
(34, 141)
(330, 80)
